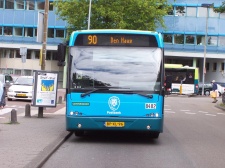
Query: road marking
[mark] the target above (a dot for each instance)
(203, 112)
(167, 109)
(189, 113)
(210, 115)
(184, 110)
(169, 112)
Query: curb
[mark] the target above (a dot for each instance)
(47, 152)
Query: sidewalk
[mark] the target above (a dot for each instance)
(27, 143)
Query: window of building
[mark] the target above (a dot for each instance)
(28, 32)
(41, 5)
(171, 12)
(212, 13)
(48, 55)
(50, 6)
(19, 4)
(191, 11)
(221, 41)
(202, 12)
(54, 55)
(212, 40)
(35, 32)
(222, 66)
(1, 30)
(18, 31)
(190, 39)
(8, 31)
(37, 54)
(207, 66)
(9, 4)
(59, 33)
(1, 3)
(201, 40)
(29, 54)
(18, 54)
(29, 5)
(214, 66)
(179, 39)
(8, 53)
(180, 10)
(50, 32)
(168, 38)
(17, 72)
(27, 72)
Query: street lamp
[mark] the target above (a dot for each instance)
(204, 60)
(89, 15)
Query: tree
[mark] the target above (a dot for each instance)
(113, 14)
(221, 9)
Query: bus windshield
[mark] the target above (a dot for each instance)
(136, 68)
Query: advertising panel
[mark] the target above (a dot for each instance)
(45, 89)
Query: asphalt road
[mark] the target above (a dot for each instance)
(193, 137)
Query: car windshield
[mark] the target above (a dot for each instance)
(24, 81)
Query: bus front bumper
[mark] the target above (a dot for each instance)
(125, 124)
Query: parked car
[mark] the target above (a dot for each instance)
(21, 89)
(207, 88)
(7, 81)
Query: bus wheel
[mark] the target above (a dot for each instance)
(79, 133)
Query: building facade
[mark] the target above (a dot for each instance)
(18, 28)
(188, 24)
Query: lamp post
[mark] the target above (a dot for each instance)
(89, 15)
(204, 59)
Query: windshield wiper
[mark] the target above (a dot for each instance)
(100, 88)
(141, 94)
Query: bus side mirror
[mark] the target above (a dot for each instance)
(61, 53)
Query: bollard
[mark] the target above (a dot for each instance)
(27, 110)
(60, 100)
(13, 117)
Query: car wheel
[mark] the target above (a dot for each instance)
(207, 92)
(9, 99)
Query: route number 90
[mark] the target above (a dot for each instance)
(92, 39)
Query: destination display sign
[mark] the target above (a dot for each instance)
(116, 40)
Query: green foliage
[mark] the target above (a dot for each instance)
(113, 14)
(221, 9)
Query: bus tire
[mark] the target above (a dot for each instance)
(79, 133)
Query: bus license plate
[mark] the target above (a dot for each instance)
(21, 95)
(114, 124)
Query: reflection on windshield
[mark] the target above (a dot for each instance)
(24, 81)
(135, 68)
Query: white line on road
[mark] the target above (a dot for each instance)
(203, 112)
(167, 109)
(189, 113)
(169, 112)
(210, 115)
(184, 110)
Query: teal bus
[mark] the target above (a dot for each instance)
(181, 79)
(115, 81)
